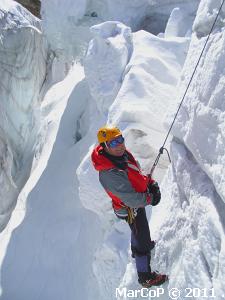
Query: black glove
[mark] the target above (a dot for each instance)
(153, 188)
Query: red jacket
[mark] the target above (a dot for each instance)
(127, 188)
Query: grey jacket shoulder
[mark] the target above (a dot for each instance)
(117, 182)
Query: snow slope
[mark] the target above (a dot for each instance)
(23, 69)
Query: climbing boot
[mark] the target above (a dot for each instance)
(151, 279)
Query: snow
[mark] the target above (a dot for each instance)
(206, 15)
(142, 82)
(105, 61)
(191, 229)
(179, 23)
(63, 239)
(200, 123)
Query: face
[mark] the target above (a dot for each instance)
(117, 150)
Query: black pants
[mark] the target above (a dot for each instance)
(141, 242)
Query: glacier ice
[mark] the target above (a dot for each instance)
(200, 123)
(23, 53)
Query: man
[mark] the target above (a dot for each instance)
(130, 191)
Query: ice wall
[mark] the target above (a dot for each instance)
(207, 12)
(200, 123)
(67, 23)
(128, 12)
(183, 15)
(66, 27)
(23, 71)
(191, 221)
(151, 14)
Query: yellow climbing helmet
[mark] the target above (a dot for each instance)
(107, 133)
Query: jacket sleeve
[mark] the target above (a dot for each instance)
(117, 182)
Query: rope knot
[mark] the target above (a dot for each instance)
(161, 150)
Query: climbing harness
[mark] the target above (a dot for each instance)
(171, 126)
(132, 213)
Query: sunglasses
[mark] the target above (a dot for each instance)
(114, 143)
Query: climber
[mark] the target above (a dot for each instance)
(130, 191)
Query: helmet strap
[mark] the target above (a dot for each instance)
(106, 145)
